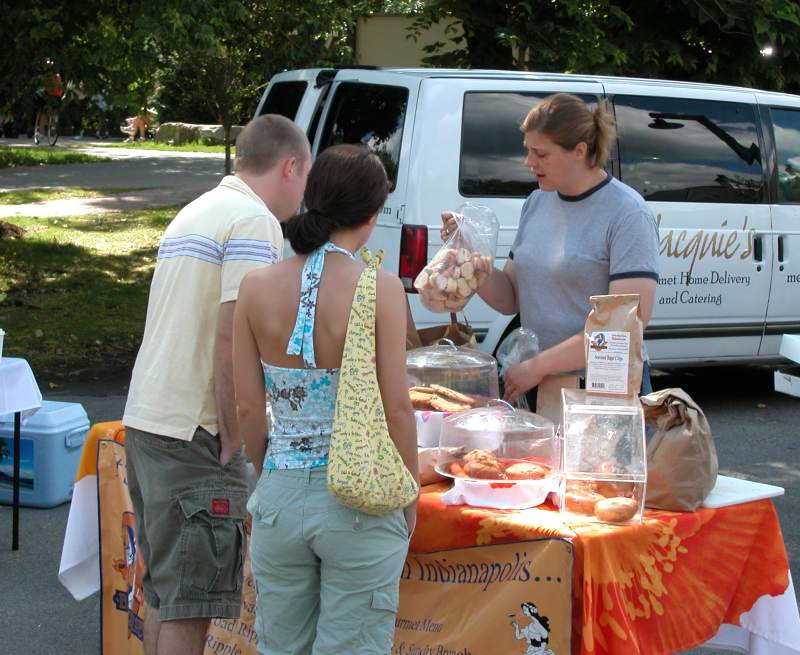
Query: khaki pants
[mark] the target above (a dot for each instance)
(327, 576)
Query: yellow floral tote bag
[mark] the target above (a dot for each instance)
(365, 470)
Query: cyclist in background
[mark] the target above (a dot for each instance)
(49, 95)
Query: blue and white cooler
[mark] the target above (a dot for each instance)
(51, 442)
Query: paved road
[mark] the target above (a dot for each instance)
(129, 168)
(756, 432)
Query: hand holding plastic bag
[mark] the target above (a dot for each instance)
(463, 263)
(520, 345)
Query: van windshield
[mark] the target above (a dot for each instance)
(369, 114)
(284, 99)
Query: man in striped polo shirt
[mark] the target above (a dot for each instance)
(186, 466)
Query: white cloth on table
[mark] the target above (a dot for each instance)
(79, 570)
(771, 627)
(18, 389)
(500, 495)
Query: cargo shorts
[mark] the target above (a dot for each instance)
(190, 514)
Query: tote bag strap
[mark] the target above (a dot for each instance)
(359, 344)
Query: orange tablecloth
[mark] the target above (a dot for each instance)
(661, 587)
(658, 588)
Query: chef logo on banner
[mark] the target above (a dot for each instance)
(131, 569)
(510, 599)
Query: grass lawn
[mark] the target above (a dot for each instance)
(186, 147)
(76, 290)
(11, 157)
(55, 193)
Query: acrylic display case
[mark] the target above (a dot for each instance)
(603, 458)
(497, 444)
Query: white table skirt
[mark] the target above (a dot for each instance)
(18, 389)
(771, 627)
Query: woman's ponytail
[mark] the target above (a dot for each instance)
(604, 133)
(308, 231)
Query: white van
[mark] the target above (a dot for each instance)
(719, 166)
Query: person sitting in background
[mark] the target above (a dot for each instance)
(137, 126)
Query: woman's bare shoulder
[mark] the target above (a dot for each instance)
(389, 283)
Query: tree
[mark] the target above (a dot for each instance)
(233, 48)
(96, 46)
(680, 39)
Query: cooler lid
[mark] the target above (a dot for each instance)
(52, 414)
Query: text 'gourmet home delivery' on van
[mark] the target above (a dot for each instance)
(719, 167)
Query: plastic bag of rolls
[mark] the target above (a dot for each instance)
(462, 264)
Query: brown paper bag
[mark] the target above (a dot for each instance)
(459, 333)
(548, 395)
(682, 461)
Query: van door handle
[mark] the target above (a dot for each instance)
(758, 248)
(780, 252)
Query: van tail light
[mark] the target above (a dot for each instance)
(413, 254)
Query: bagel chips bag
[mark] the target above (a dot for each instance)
(613, 339)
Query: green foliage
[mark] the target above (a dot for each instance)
(184, 147)
(680, 39)
(76, 289)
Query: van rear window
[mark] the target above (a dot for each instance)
(370, 114)
(492, 153)
(284, 99)
(786, 125)
(684, 150)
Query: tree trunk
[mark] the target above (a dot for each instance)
(226, 125)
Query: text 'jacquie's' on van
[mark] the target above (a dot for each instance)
(719, 167)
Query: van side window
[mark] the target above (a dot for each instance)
(284, 99)
(786, 125)
(492, 153)
(370, 114)
(684, 150)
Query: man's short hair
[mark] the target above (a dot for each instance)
(267, 140)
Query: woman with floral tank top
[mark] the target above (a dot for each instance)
(327, 575)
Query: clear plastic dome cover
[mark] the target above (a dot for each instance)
(497, 443)
(463, 370)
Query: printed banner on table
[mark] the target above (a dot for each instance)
(122, 602)
(510, 598)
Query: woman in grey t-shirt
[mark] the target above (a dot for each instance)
(582, 233)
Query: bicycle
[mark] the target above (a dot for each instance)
(51, 130)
